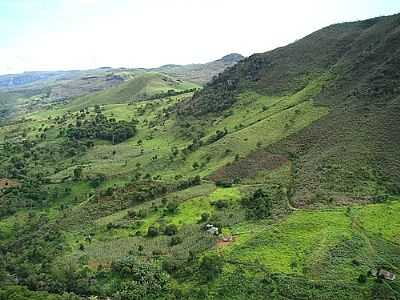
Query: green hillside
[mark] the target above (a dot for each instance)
(292, 155)
(140, 87)
(200, 73)
(351, 153)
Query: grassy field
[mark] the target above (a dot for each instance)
(305, 188)
(137, 88)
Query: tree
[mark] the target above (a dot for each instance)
(172, 207)
(220, 204)
(97, 180)
(211, 266)
(258, 205)
(141, 280)
(171, 229)
(175, 240)
(362, 278)
(131, 214)
(78, 173)
(152, 231)
(204, 217)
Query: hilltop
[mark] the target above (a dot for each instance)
(201, 73)
(143, 86)
(29, 91)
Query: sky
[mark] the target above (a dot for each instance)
(84, 34)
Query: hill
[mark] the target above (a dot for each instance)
(36, 90)
(350, 69)
(32, 91)
(277, 180)
(140, 87)
(200, 73)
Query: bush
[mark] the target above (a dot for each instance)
(258, 205)
(176, 240)
(142, 213)
(172, 207)
(171, 229)
(220, 204)
(132, 214)
(211, 266)
(141, 280)
(152, 231)
(204, 217)
(223, 183)
(97, 181)
(170, 266)
(362, 278)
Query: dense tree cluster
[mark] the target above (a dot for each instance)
(30, 194)
(170, 93)
(101, 127)
(258, 205)
(139, 280)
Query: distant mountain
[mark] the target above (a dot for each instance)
(28, 78)
(200, 73)
(58, 86)
(38, 79)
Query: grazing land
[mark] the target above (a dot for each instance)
(279, 178)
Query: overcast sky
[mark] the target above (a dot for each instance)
(81, 34)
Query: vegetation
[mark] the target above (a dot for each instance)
(279, 179)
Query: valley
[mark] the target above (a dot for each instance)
(278, 178)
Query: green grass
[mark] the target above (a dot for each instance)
(295, 240)
(381, 219)
(189, 212)
(139, 87)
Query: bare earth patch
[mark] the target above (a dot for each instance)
(250, 165)
(8, 183)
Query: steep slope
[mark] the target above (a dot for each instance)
(352, 151)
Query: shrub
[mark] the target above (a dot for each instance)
(152, 231)
(362, 278)
(172, 207)
(258, 205)
(171, 229)
(98, 180)
(204, 217)
(223, 183)
(132, 214)
(176, 240)
(141, 280)
(211, 266)
(220, 204)
(142, 213)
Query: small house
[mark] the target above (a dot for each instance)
(227, 239)
(384, 274)
(212, 229)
